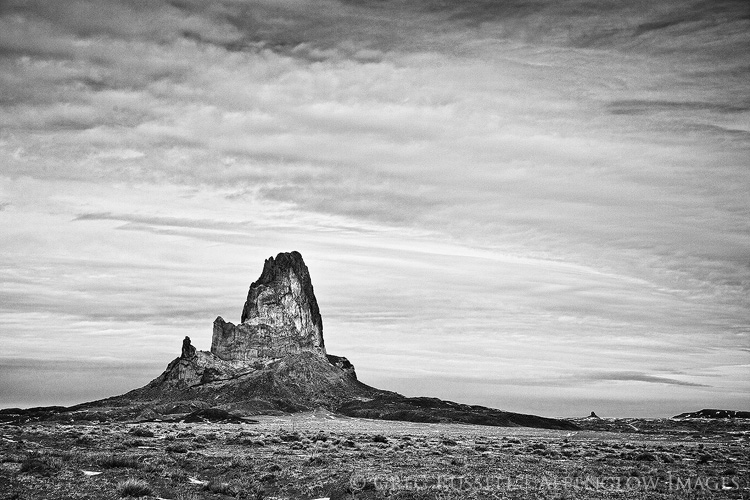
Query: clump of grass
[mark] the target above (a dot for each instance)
(44, 465)
(142, 432)
(320, 437)
(186, 495)
(118, 461)
(287, 438)
(84, 440)
(134, 488)
(222, 488)
(240, 462)
(316, 460)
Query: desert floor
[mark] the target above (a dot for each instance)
(319, 455)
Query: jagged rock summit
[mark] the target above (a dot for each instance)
(280, 319)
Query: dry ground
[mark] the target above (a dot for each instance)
(318, 455)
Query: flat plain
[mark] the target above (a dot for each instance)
(321, 455)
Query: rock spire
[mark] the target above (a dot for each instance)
(280, 317)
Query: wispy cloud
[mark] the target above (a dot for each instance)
(529, 184)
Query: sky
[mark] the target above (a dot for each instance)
(539, 206)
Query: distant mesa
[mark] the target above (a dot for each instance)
(713, 413)
(275, 360)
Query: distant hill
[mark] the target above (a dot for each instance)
(712, 413)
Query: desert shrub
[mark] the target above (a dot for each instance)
(84, 439)
(646, 457)
(316, 460)
(379, 438)
(142, 432)
(348, 443)
(320, 437)
(240, 462)
(412, 495)
(704, 459)
(44, 465)
(210, 436)
(481, 448)
(175, 448)
(252, 442)
(222, 488)
(183, 435)
(133, 443)
(118, 461)
(449, 442)
(666, 458)
(134, 488)
(186, 495)
(290, 437)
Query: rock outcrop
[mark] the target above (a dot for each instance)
(714, 413)
(275, 360)
(280, 319)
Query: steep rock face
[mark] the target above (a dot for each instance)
(280, 317)
(280, 320)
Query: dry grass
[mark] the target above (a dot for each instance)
(134, 488)
(304, 457)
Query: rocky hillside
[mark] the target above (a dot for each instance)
(712, 413)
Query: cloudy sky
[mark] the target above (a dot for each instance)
(537, 205)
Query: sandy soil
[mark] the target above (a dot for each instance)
(319, 455)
